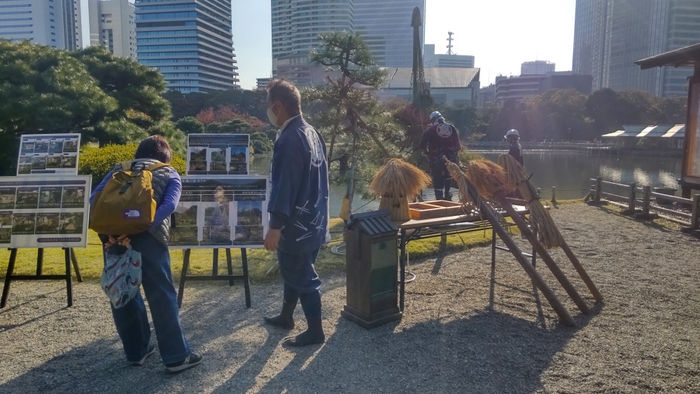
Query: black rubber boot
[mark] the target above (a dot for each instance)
(285, 319)
(448, 195)
(438, 194)
(312, 336)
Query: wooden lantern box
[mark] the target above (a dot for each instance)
(434, 209)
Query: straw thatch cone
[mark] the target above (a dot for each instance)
(488, 178)
(541, 220)
(397, 182)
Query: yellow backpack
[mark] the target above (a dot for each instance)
(126, 205)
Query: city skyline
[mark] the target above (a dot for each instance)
(509, 33)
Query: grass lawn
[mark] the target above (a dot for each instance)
(259, 261)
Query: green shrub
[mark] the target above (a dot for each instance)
(98, 162)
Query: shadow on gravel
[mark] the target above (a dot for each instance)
(488, 352)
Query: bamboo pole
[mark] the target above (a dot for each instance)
(581, 271)
(525, 230)
(515, 250)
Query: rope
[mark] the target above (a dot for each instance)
(369, 202)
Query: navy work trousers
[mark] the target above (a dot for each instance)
(301, 282)
(131, 319)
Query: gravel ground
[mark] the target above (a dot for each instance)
(453, 337)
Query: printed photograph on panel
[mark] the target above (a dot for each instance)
(6, 219)
(186, 236)
(239, 169)
(50, 197)
(27, 147)
(39, 163)
(27, 197)
(53, 162)
(238, 154)
(25, 166)
(216, 215)
(73, 197)
(217, 235)
(68, 161)
(70, 146)
(56, 147)
(250, 213)
(23, 223)
(217, 164)
(47, 223)
(71, 223)
(185, 230)
(248, 235)
(186, 216)
(5, 235)
(41, 146)
(198, 159)
(7, 197)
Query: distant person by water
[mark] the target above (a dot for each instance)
(516, 150)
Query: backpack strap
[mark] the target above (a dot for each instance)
(156, 166)
(126, 165)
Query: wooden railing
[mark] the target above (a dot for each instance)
(642, 201)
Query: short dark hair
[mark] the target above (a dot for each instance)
(154, 147)
(285, 92)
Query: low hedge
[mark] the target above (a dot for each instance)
(98, 162)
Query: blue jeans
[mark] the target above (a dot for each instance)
(131, 319)
(301, 282)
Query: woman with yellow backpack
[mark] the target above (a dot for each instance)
(130, 210)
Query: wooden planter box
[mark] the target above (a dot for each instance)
(434, 209)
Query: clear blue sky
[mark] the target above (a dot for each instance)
(501, 34)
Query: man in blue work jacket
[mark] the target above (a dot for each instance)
(298, 210)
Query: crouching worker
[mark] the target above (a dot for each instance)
(298, 210)
(440, 139)
(131, 231)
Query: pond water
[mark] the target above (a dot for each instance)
(570, 172)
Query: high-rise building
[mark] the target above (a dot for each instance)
(431, 59)
(55, 23)
(112, 25)
(296, 25)
(537, 67)
(386, 28)
(72, 25)
(189, 42)
(610, 35)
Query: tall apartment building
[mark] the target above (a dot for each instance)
(431, 59)
(72, 24)
(113, 25)
(384, 25)
(610, 35)
(189, 42)
(296, 25)
(55, 23)
(386, 28)
(537, 67)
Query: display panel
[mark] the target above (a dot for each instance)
(218, 154)
(48, 154)
(44, 211)
(220, 212)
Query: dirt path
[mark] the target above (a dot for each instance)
(645, 338)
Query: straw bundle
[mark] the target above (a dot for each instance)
(541, 220)
(488, 178)
(397, 182)
(461, 180)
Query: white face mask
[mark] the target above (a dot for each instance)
(272, 117)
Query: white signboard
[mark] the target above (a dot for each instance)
(220, 212)
(48, 211)
(218, 154)
(48, 154)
